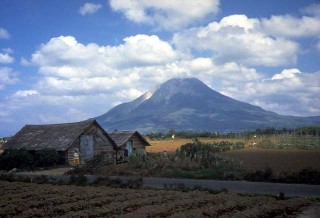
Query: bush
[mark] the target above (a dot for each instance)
(206, 153)
(23, 159)
(140, 160)
(46, 158)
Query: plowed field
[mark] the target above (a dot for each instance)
(35, 200)
(279, 160)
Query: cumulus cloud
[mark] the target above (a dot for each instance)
(89, 8)
(166, 14)
(7, 77)
(5, 56)
(286, 73)
(238, 38)
(65, 51)
(290, 95)
(4, 34)
(288, 26)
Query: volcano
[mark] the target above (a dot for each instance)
(189, 104)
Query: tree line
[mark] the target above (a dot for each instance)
(270, 131)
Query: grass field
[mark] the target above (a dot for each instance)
(45, 200)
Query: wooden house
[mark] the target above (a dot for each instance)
(76, 142)
(129, 141)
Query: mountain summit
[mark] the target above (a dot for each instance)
(189, 104)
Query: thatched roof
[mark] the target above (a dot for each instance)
(121, 137)
(54, 136)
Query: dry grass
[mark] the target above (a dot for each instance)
(171, 145)
(35, 200)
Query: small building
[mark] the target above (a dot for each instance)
(129, 141)
(75, 142)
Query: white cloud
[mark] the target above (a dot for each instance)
(4, 34)
(5, 57)
(286, 73)
(288, 26)
(313, 9)
(240, 39)
(293, 95)
(166, 14)
(130, 94)
(7, 77)
(25, 93)
(62, 52)
(89, 8)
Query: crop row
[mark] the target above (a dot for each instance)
(38, 200)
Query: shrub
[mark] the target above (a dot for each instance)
(206, 153)
(46, 158)
(21, 159)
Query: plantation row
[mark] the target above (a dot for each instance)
(35, 200)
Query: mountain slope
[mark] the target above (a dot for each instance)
(188, 104)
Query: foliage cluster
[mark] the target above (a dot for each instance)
(206, 153)
(23, 159)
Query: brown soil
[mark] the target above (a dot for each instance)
(278, 160)
(35, 200)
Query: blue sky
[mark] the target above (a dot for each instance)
(65, 61)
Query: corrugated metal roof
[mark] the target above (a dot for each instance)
(54, 136)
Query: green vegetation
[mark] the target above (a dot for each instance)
(192, 160)
(301, 142)
(23, 159)
(268, 132)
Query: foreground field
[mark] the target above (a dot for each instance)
(34, 200)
